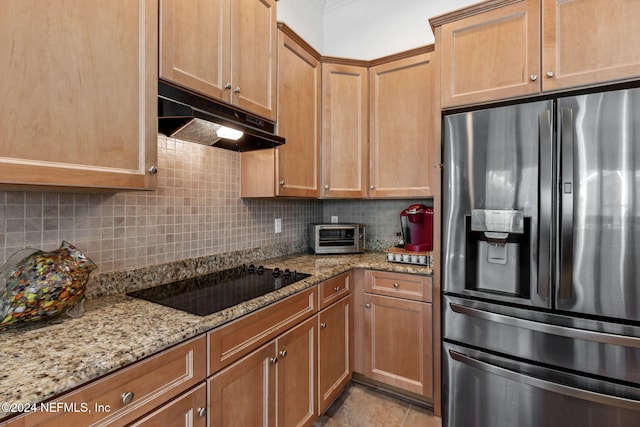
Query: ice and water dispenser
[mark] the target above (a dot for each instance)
(497, 251)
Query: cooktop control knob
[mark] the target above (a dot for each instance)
(252, 268)
(260, 269)
(276, 272)
(287, 272)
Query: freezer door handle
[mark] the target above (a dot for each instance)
(565, 390)
(544, 202)
(546, 328)
(566, 217)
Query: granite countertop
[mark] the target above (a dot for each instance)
(44, 359)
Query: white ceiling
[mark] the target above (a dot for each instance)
(364, 29)
(329, 5)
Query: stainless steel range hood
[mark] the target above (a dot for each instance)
(186, 115)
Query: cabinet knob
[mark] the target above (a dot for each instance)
(550, 74)
(367, 305)
(283, 353)
(326, 187)
(282, 182)
(127, 397)
(323, 325)
(337, 288)
(227, 86)
(372, 188)
(534, 77)
(153, 169)
(273, 360)
(202, 412)
(395, 285)
(237, 89)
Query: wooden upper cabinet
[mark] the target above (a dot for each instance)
(194, 45)
(78, 94)
(223, 49)
(299, 90)
(589, 41)
(254, 43)
(400, 128)
(491, 55)
(492, 51)
(344, 130)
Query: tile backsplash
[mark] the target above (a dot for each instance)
(382, 217)
(195, 211)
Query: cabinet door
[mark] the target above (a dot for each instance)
(253, 56)
(298, 160)
(397, 342)
(78, 91)
(188, 410)
(244, 393)
(336, 351)
(492, 55)
(589, 41)
(344, 130)
(194, 45)
(297, 373)
(400, 144)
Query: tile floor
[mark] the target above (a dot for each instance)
(362, 406)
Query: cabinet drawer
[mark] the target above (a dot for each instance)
(151, 383)
(333, 289)
(409, 286)
(188, 410)
(236, 339)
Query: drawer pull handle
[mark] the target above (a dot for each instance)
(323, 325)
(202, 412)
(337, 288)
(395, 285)
(283, 353)
(127, 397)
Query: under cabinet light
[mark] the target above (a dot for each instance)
(228, 133)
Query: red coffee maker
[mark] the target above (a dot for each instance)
(417, 228)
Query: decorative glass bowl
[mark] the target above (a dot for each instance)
(37, 285)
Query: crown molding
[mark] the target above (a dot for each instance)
(465, 12)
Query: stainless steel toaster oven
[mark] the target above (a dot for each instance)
(336, 238)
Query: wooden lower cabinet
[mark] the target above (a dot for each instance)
(297, 373)
(274, 385)
(335, 361)
(188, 410)
(244, 393)
(124, 396)
(397, 343)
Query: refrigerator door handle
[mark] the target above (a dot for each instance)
(553, 387)
(566, 190)
(547, 328)
(544, 202)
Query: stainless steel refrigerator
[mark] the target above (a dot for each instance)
(541, 263)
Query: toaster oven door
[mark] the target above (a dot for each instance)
(337, 239)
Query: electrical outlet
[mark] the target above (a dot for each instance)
(277, 225)
(334, 219)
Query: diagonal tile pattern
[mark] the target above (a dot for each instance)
(362, 406)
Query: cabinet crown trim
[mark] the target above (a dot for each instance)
(466, 12)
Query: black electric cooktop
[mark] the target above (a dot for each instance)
(213, 292)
